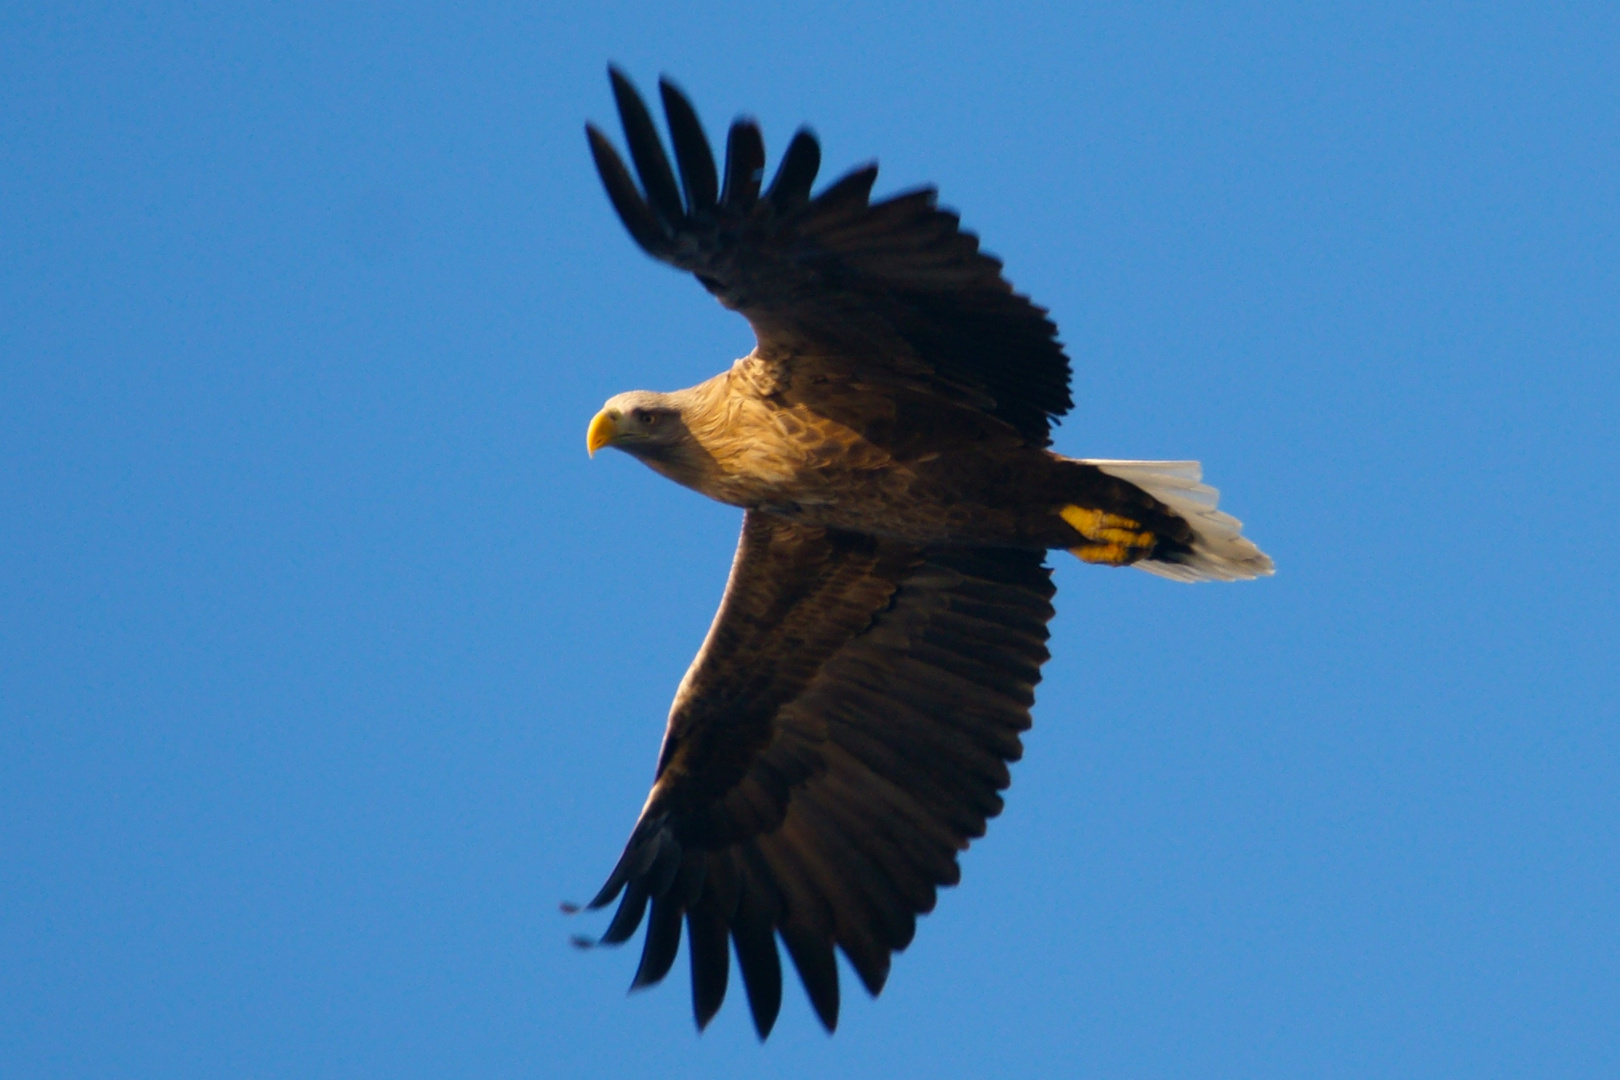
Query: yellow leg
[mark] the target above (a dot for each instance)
(1115, 540)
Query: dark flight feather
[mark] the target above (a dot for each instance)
(812, 954)
(627, 201)
(753, 934)
(692, 153)
(662, 942)
(711, 966)
(745, 167)
(628, 917)
(647, 151)
(791, 188)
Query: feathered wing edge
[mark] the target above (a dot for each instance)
(657, 218)
(783, 258)
(901, 744)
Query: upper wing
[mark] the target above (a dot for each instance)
(842, 734)
(893, 289)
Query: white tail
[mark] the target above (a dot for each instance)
(1219, 550)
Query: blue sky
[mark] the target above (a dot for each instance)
(329, 664)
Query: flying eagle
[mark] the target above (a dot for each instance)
(846, 726)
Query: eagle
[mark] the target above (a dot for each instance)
(845, 729)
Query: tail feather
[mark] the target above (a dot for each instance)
(1219, 551)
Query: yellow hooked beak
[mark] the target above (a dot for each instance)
(604, 425)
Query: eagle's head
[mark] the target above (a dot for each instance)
(642, 423)
(655, 429)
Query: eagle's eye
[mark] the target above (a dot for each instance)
(646, 418)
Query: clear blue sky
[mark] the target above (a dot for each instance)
(329, 664)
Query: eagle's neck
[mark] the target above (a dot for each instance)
(689, 461)
(733, 450)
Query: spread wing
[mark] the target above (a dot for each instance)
(842, 734)
(892, 290)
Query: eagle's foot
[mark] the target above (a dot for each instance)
(1115, 540)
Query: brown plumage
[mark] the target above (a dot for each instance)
(846, 727)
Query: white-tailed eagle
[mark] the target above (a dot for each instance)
(846, 726)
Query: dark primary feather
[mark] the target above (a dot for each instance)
(791, 188)
(663, 939)
(692, 151)
(706, 935)
(647, 151)
(637, 217)
(842, 735)
(893, 289)
(745, 166)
